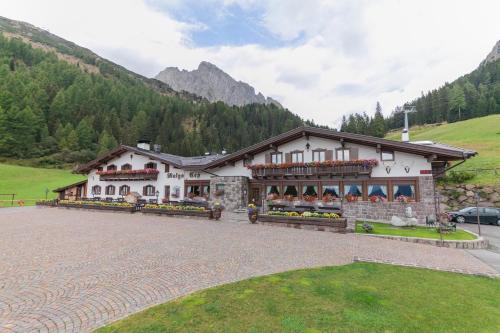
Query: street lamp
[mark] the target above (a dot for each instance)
(476, 196)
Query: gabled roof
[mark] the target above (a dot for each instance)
(438, 151)
(60, 189)
(187, 163)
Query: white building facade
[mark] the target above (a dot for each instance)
(368, 177)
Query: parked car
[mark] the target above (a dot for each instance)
(487, 215)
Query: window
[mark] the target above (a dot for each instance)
(387, 155)
(402, 191)
(126, 167)
(291, 192)
(310, 192)
(150, 165)
(273, 192)
(343, 154)
(219, 189)
(297, 157)
(96, 190)
(276, 158)
(148, 190)
(124, 189)
(111, 167)
(99, 169)
(377, 192)
(319, 155)
(205, 191)
(110, 190)
(247, 161)
(353, 192)
(167, 167)
(193, 191)
(330, 192)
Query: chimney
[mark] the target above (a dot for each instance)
(157, 148)
(405, 135)
(224, 152)
(144, 144)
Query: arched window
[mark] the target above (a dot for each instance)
(148, 190)
(110, 190)
(96, 190)
(150, 165)
(126, 167)
(124, 190)
(111, 167)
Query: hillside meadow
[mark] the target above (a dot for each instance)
(479, 134)
(29, 184)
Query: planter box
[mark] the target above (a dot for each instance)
(173, 212)
(311, 223)
(97, 207)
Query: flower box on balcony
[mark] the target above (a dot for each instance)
(326, 168)
(142, 174)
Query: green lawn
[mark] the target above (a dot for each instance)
(360, 297)
(480, 134)
(29, 183)
(418, 231)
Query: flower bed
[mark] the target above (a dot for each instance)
(99, 205)
(177, 210)
(50, 203)
(317, 221)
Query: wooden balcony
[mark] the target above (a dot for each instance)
(337, 171)
(129, 175)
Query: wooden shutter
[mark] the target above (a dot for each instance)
(144, 190)
(353, 154)
(167, 167)
(288, 158)
(268, 158)
(329, 155)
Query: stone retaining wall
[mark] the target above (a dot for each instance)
(457, 196)
(479, 243)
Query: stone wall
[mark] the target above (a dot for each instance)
(457, 196)
(385, 210)
(235, 191)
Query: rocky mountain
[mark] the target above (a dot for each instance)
(214, 84)
(493, 55)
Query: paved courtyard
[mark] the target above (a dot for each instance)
(71, 271)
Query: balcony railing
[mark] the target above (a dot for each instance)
(113, 175)
(303, 171)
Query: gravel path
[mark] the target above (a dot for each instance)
(71, 271)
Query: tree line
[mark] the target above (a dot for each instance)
(473, 95)
(55, 113)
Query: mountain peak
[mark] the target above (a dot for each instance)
(212, 83)
(493, 55)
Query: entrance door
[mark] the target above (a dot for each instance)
(255, 195)
(167, 193)
(78, 192)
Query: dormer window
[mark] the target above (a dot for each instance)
(99, 168)
(150, 165)
(126, 167)
(111, 167)
(387, 155)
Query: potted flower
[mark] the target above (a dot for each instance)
(217, 210)
(253, 213)
(351, 198)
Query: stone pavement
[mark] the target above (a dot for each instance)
(72, 271)
(490, 256)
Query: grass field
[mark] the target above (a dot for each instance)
(360, 297)
(29, 183)
(418, 231)
(479, 134)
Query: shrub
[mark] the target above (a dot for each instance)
(457, 177)
(367, 227)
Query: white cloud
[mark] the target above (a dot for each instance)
(350, 54)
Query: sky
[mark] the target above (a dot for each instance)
(321, 59)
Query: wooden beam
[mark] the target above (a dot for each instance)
(431, 158)
(379, 148)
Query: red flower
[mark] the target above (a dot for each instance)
(329, 163)
(129, 172)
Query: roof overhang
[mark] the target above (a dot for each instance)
(435, 153)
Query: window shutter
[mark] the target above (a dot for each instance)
(144, 188)
(268, 158)
(288, 158)
(153, 192)
(353, 154)
(329, 155)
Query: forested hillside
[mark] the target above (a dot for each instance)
(473, 95)
(54, 111)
